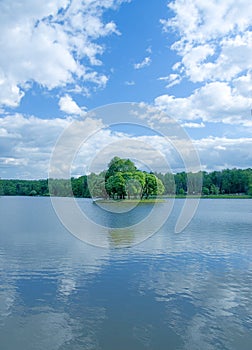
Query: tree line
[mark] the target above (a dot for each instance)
(225, 182)
(123, 180)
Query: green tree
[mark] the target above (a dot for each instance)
(181, 182)
(117, 165)
(194, 183)
(250, 184)
(139, 182)
(205, 191)
(169, 183)
(214, 189)
(115, 186)
(123, 179)
(160, 187)
(96, 185)
(33, 193)
(134, 183)
(153, 186)
(1, 188)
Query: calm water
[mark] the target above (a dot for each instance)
(174, 291)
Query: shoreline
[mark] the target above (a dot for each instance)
(150, 200)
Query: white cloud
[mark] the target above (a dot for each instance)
(215, 38)
(149, 50)
(221, 152)
(234, 59)
(146, 151)
(214, 50)
(144, 63)
(198, 21)
(193, 125)
(69, 106)
(243, 85)
(52, 43)
(172, 79)
(213, 102)
(26, 145)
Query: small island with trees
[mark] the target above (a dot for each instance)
(123, 181)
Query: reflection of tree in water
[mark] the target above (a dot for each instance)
(122, 237)
(129, 228)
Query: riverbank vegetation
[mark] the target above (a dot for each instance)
(123, 180)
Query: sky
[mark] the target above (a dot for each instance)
(61, 59)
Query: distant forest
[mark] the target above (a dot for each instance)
(225, 182)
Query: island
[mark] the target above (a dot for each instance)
(122, 180)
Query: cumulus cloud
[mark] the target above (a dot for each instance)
(234, 59)
(69, 106)
(26, 145)
(214, 50)
(215, 38)
(52, 43)
(193, 15)
(144, 63)
(217, 153)
(213, 102)
(193, 125)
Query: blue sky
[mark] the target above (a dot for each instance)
(62, 58)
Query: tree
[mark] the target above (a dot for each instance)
(134, 183)
(250, 184)
(96, 185)
(128, 181)
(205, 191)
(120, 165)
(194, 183)
(115, 186)
(60, 188)
(250, 190)
(181, 183)
(139, 182)
(153, 186)
(160, 187)
(1, 188)
(33, 193)
(214, 189)
(169, 183)
(123, 179)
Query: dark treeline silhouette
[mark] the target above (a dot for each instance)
(228, 181)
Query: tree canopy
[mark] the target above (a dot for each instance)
(123, 180)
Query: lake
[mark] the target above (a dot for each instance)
(191, 290)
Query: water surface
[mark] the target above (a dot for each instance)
(174, 291)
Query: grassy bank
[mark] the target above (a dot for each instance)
(214, 196)
(130, 201)
(228, 196)
(165, 197)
